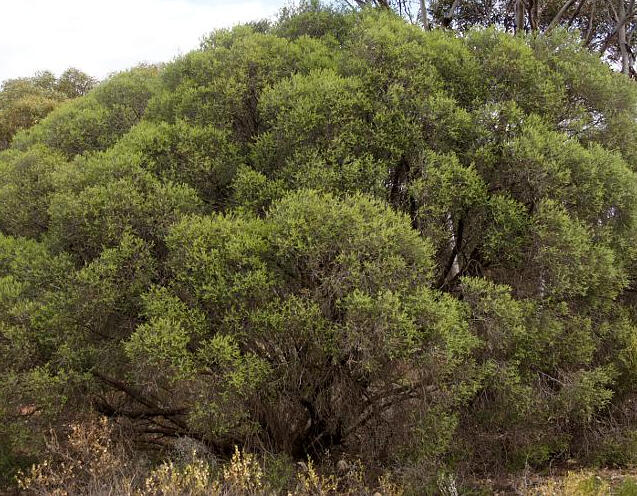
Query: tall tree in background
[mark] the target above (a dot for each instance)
(607, 27)
(414, 10)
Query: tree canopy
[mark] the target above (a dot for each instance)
(606, 27)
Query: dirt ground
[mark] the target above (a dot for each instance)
(564, 482)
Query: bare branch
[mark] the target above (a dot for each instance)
(558, 17)
(577, 12)
(589, 32)
(622, 19)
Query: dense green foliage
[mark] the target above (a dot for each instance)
(606, 27)
(25, 101)
(338, 232)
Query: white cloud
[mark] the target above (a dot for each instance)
(99, 37)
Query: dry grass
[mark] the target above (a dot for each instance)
(94, 461)
(90, 463)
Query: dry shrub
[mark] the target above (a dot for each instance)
(169, 480)
(312, 483)
(89, 462)
(93, 461)
(242, 476)
(351, 481)
(573, 484)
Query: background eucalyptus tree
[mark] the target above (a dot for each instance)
(606, 27)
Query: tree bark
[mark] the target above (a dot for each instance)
(591, 25)
(622, 39)
(534, 15)
(423, 14)
(520, 14)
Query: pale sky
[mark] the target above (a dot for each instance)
(103, 36)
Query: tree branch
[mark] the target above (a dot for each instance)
(577, 12)
(589, 32)
(153, 407)
(621, 22)
(132, 392)
(448, 17)
(454, 253)
(558, 17)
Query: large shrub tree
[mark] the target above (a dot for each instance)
(337, 232)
